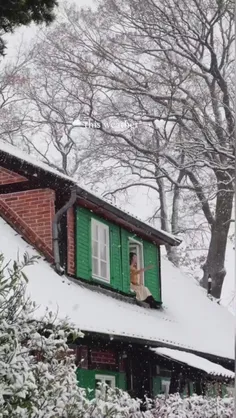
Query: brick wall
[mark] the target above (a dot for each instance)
(31, 213)
(9, 177)
(71, 241)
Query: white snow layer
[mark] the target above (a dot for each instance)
(194, 361)
(21, 155)
(188, 319)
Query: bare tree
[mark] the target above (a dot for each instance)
(165, 68)
(51, 111)
(12, 116)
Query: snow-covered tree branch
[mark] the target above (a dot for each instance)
(157, 81)
(166, 69)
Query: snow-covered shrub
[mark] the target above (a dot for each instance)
(118, 404)
(114, 403)
(37, 370)
(194, 407)
(37, 374)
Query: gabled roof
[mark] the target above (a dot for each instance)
(194, 361)
(188, 321)
(26, 163)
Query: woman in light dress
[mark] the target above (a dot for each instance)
(143, 294)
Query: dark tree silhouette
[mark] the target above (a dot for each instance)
(14, 13)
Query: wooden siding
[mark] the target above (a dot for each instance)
(119, 255)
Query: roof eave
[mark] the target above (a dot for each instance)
(153, 344)
(161, 236)
(32, 169)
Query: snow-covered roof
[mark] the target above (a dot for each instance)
(194, 361)
(21, 155)
(188, 320)
(27, 158)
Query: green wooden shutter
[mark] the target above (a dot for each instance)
(125, 260)
(191, 388)
(86, 380)
(156, 385)
(115, 257)
(121, 381)
(152, 279)
(224, 390)
(83, 244)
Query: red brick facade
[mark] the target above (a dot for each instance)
(31, 213)
(9, 177)
(71, 241)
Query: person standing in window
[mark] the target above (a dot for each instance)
(143, 294)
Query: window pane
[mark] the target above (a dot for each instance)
(95, 231)
(105, 236)
(95, 248)
(133, 248)
(100, 250)
(101, 234)
(103, 269)
(97, 383)
(95, 266)
(103, 252)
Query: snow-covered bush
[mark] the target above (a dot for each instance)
(118, 404)
(37, 370)
(114, 403)
(194, 407)
(37, 374)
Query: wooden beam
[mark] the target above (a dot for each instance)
(19, 187)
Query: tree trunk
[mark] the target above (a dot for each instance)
(215, 262)
(175, 204)
(165, 224)
(173, 252)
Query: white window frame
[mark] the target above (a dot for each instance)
(103, 378)
(165, 386)
(230, 390)
(106, 228)
(140, 257)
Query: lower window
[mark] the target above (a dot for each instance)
(109, 381)
(165, 386)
